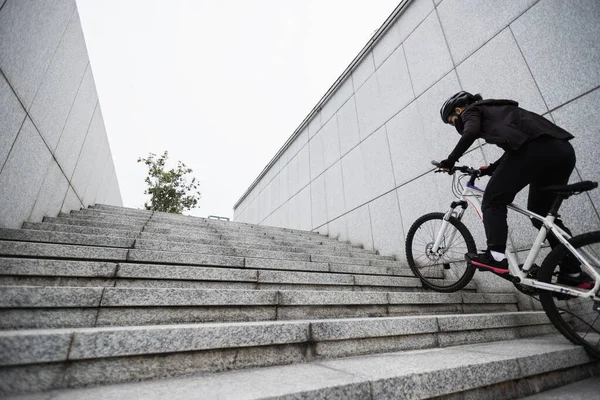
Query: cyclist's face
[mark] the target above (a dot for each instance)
(454, 116)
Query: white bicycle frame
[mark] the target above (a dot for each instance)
(472, 195)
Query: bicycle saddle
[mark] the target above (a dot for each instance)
(573, 188)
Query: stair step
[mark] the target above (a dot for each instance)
(233, 249)
(27, 307)
(257, 274)
(64, 238)
(487, 370)
(108, 294)
(86, 230)
(109, 354)
(585, 389)
(94, 224)
(218, 241)
(33, 249)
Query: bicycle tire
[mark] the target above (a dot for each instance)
(568, 313)
(420, 237)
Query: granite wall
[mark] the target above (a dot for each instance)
(54, 151)
(359, 167)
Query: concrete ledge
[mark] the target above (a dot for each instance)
(104, 217)
(118, 209)
(340, 260)
(64, 238)
(29, 347)
(68, 297)
(265, 263)
(115, 342)
(136, 340)
(44, 297)
(96, 224)
(366, 280)
(167, 257)
(40, 267)
(86, 230)
(318, 278)
(120, 297)
(47, 318)
(413, 374)
(9, 248)
(153, 271)
(292, 297)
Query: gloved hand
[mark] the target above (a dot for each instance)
(447, 164)
(485, 171)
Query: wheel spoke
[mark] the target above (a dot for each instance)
(574, 316)
(448, 262)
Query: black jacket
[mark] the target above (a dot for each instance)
(503, 123)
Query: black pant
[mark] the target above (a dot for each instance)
(544, 161)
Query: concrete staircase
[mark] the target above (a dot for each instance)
(110, 295)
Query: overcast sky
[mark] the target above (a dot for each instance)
(219, 84)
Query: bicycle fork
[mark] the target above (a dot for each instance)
(445, 225)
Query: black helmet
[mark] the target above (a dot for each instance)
(460, 99)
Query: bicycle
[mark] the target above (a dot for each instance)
(437, 244)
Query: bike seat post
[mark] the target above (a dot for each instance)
(556, 205)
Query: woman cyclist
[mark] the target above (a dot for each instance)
(537, 153)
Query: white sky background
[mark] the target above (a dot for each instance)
(219, 84)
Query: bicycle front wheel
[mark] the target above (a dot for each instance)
(445, 270)
(573, 316)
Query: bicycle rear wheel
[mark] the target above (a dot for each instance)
(574, 317)
(446, 270)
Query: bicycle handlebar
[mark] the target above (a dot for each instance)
(463, 168)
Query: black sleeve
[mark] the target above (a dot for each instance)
(471, 132)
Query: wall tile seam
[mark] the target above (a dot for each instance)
(405, 39)
(412, 85)
(371, 226)
(340, 161)
(53, 55)
(287, 201)
(436, 82)
(354, 89)
(404, 183)
(444, 76)
(369, 54)
(490, 39)
(67, 194)
(537, 86)
(392, 117)
(458, 77)
(388, 192)
(27, 115)
(310, 181)
(387, 140)
(37, 196)
(451, 56)
(400, 215)
(62, 131)
(572, 100)
(13, 143)
(104, 163)
(396, 48)
(285, 165)
(334, 115)
(87, 132)
(437, 14)
(342, 157)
